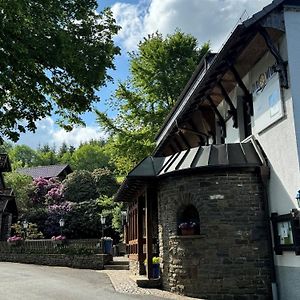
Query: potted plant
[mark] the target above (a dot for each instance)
(187, 228)
(155, 266)
(15, 240)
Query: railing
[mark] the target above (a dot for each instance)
(84, 247)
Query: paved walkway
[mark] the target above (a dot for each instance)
(123, 282)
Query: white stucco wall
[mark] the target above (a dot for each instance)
(279, 140)
(279, 143)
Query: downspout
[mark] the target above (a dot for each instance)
(265, 176)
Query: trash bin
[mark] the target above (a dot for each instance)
(107, 245)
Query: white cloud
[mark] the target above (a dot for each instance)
(49, 133)
(206, 19)
(130, 18)
(77, 135)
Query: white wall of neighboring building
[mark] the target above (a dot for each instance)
(292, 24)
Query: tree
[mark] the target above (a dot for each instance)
(46, 158)
(89, 157)
(79, 186)
(20, 184)
(22, 156)
(105, 181)
(55, 54)
(62, 150)
(159, 70)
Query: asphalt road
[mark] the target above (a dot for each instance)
(31, 282)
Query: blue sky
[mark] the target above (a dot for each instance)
(207, 20)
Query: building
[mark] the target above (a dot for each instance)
(52, 171)
(227, 164)
(8, 207)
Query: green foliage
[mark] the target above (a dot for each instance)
(20, 184)
(37, 215)
(105, 181)
(84, 221)
(159, 71)
(55, 54)
(22, 156)
(117, 217)
(46, 158)
(89, 157)
(6, 147)
(79, 186)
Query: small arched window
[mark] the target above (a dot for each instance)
(188, 221)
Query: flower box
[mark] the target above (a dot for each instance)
(187, 231)
(187, 228)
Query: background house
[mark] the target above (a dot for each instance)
(228, 151)
(52, 171)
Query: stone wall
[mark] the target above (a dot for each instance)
(134, 266)
(95, 262)
(230, 258)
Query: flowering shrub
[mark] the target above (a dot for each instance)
(14, 238)
(58, 238)
(45, 191)
(54, 213)
(54, 195)
(187, 225)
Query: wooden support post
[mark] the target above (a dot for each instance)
(149, 229)
(140, 233)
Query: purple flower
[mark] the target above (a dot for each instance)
(14, 238)
(58, 238)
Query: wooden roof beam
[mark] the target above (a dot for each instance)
(247, 95)
(221, 120)
(281, 65)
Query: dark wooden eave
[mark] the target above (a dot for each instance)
(203, 158)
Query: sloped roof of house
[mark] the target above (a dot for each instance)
(212, 157)
(46, 171)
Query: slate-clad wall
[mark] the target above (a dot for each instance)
(230, 258)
